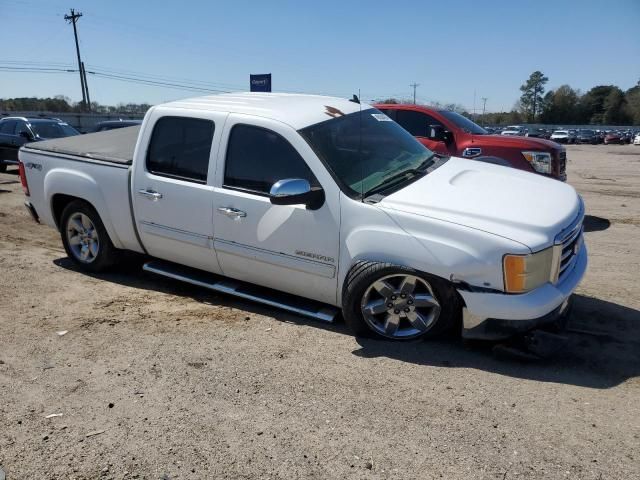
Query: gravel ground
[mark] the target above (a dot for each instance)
(159, 380)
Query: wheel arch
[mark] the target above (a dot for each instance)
(362, 262)
(62, 186)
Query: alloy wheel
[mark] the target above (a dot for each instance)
(83, 239)
(400, 306)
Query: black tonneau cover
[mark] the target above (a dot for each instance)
(115, 146)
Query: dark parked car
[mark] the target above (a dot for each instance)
(16, 131)
(613, 137)
(537, 133)
(586, 136)
(112, 124)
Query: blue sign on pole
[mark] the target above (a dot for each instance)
(260, 83)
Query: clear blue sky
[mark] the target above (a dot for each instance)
(450, 48)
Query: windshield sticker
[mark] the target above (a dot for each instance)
(333, 112)
(381, 117)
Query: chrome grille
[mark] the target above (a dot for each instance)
(567, 245)
(570, 248)
(562, 162)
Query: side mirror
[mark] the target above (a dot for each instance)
(296, 191)
(439, 134)
(25, 134)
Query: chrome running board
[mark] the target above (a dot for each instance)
(273, 298)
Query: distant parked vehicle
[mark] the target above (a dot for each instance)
(16, 131)
(586, 136)
(561, 136)
(513, 131)
(613, 137)
(113, 124)
(536, 133)
(636, 140)
(451, 134)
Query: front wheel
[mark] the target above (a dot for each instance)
(397, 303)
(85, 239)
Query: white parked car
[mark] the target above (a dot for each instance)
(636, 139)
(562, 136)
(514, 130)
(327, 203)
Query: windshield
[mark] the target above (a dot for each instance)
(364, 150)
(561, 132)
(587, 132)
(463, 122)
(53, 130)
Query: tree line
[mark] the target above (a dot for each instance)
(62, 104)
(601, 105)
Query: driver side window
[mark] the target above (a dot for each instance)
(257, 158)
(416, 123)
(21, 126)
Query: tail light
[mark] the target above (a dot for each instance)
(23, 179)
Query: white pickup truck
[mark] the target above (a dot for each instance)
(316, 205)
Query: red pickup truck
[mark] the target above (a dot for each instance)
(450, 133)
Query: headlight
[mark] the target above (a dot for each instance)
(526, 272)
(540, 161)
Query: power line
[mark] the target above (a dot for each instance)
(156, 83)
(34, 63)
(37, 70)
(108, 70)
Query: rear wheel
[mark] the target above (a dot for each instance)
(397, 303)
(3, 167)
(85, 239)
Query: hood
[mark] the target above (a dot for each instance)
(523, 143)
(521, 206)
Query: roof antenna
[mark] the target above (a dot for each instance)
(356, 99)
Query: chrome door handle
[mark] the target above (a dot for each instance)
(232, 212)
(150, 194)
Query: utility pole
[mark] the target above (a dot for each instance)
(86, 87)
(73, 18)
(414, 86)
(484, 107)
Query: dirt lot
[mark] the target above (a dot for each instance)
(178, 383)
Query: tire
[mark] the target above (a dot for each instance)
(85, 239)
(429, 309)
(3, 167)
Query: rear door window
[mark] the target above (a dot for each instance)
(416, 123)
(180, 148)
(257, 158)
(21, 126)
(8, 127)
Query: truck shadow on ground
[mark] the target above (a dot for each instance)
(603, 348)
(595, 224)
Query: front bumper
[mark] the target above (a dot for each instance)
(497, 316)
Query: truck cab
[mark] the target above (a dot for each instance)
(449, 133)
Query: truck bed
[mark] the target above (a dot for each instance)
(114, 146)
